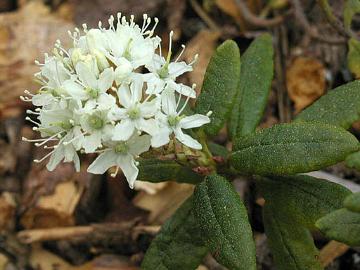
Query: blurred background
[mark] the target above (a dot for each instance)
(66, 220)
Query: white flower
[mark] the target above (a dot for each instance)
(130, 46)
(98, 128)
(60, 126)
(92, 97)
(173, 122)
(91, 87)
(122, 155)
(135, 114)
(66, 150)
(164, 73)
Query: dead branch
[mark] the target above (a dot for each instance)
(83, 233)
(257, 21)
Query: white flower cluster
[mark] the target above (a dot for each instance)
(112, 93)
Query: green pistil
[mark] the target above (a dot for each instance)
(121, 148)
(93, 93)
(127, 54)
(164, 71)
(66, 125)
(134, 113)
(96, 122)
(173, 120)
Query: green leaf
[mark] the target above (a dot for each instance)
(218, 150)
(307, 198)
(254, 87)
(339, 107)
(291, 243)
(341, 225)
(351, 8)
(352, 202)
(220, 85)
(353, 57)
(178, 244)
(224, 223)
(353, 161)
(156, 170)
(292, 148)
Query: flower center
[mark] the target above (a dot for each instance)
(66, 125)
(121, 148)
(96, 122)
(93, 93)
(164, 71)
(173, 120)
(134, 113)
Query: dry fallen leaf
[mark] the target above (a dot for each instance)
(56, 209)
(305, 80)
(204, 44)
(24, 36)
(7, 211)
(165, 202)
(229, 7)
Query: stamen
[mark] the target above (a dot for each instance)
(116, 172)
(181, 53)
(132, 23)
(209, 113)
(25, 99)
(36, 140)
(156, 20)
(32, 121)
(28, 93)
(48, 139)
(195, 60)
(186, 101)
(32, 112)
(45, 157)
(111, 23)
(178, 102)
(118, 15)
(170, 46)
(74, 139)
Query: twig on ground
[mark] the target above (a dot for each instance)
(300, 16)
(204, 16)
(334, 21)
(257, 21)
(122, 230)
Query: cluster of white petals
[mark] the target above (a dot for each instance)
(114, 94)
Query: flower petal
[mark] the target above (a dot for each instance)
(75, 90)
(106, 79)
(168, 102)
(178, 68)
(127, 165)
(185, 90)
(123, 130)
(193, 121)
(187, 140)
(124, 96)
(139, 145)
(160, 138)
(149, 109)
(92, 142)
(103, 162)
(136, 90)
(55, 158)
(86, 75)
